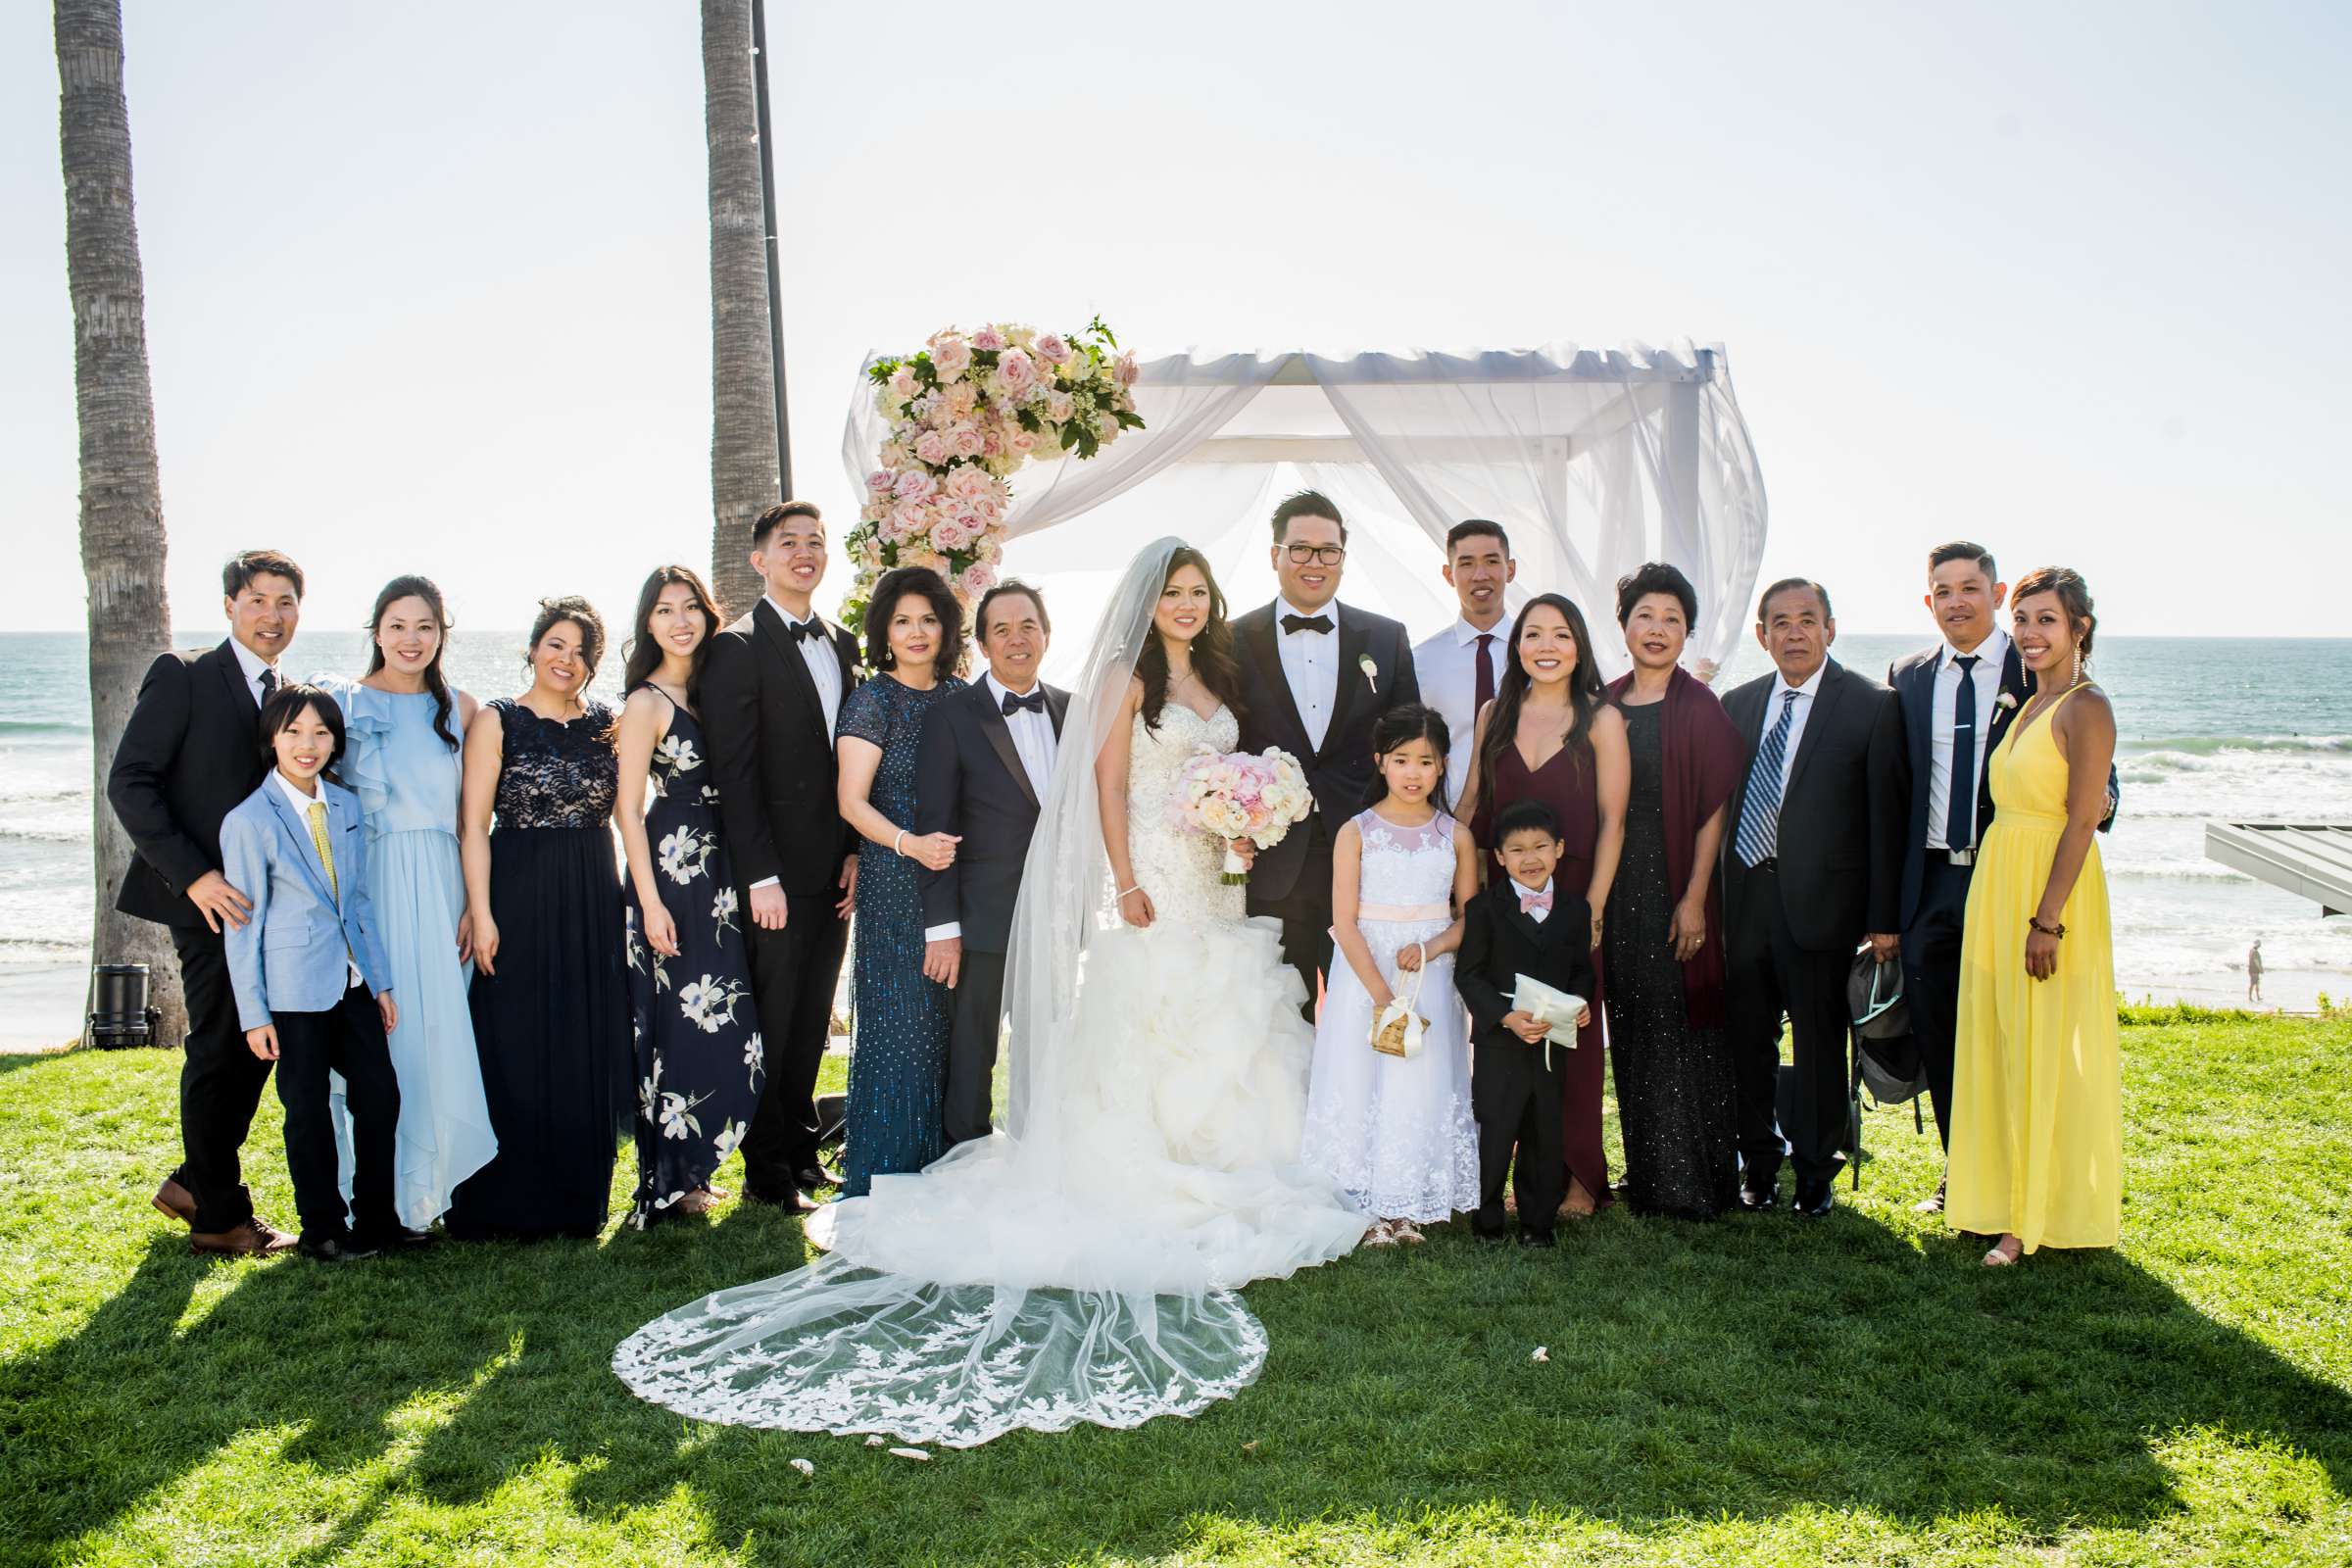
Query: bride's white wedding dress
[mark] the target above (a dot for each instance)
(1081, 1263)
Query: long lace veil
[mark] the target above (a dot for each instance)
(1056, 1272)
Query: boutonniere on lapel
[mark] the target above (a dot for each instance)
(1363, 662)
(2006, 702)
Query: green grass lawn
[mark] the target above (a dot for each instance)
(1758, 1390)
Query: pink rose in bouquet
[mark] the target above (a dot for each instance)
(1259, 796)
(950, 357)
(1053, 348)
(991, 338)
(1015, 369)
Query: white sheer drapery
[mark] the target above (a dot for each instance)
(1594, 461)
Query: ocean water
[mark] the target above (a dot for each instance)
(2235, 728)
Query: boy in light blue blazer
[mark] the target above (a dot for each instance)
(309, 973)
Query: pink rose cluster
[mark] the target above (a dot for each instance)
(964, 413)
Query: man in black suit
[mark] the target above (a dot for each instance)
(190, 753)
(1810, 870)
(1957, 700)
(982, 771)
(1316, 675)
(772, 689)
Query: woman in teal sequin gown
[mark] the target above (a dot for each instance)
(897, 1112)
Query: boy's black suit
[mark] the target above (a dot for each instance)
(1515, 1096)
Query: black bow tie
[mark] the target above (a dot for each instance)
(1035, 702)
(1321, 623)
(800, 631)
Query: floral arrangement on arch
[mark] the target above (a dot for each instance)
(965, 413)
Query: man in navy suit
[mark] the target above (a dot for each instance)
(982, 771)
(1958, 698)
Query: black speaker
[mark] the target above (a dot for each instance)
(120, 1016)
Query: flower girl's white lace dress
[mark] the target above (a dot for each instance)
(1084, 1269)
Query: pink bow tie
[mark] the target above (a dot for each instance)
(1529, 903)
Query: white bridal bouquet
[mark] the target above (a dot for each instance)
(1241, 795)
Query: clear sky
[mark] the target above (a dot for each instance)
(428, 284)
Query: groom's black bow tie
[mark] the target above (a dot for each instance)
(1035, 702)
(1321, 623)
(802, 630)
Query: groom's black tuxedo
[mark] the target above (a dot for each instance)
(190, 753)
(1292, 880)
(969, 781)
(1934, 894)
(771, 756)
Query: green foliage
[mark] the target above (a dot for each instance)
(1759, 1390)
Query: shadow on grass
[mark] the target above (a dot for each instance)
(1747, 1368)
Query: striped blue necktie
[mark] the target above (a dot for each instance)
(1760, 815)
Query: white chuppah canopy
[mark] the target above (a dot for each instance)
(1594, 461)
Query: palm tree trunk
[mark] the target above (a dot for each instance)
(122, 495)
(744, 476)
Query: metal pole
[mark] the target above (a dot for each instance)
(775, 289)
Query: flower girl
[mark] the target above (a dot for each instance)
(1395, 1132)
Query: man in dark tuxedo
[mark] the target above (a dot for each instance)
(982, 771)
(189, 755)
(1316, 675)
(1810, 870)
(1957, 700)
(771, 691)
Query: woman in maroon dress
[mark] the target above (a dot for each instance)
(1550, 736)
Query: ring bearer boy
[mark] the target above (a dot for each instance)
(1524, 924)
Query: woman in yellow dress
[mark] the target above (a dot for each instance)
(2036, 1117)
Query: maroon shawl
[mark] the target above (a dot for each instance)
(1703, 760)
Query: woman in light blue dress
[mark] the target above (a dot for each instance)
(403, 722)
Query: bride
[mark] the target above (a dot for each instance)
(1080, 1265)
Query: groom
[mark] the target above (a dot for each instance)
(982, 769)
(1316, 675)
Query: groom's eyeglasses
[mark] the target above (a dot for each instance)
(1318, 555)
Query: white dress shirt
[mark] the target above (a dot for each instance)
(302, 813)
(1310, 667)
(1446, 667)
(251, 663)
(824, 664)
(1036, 743)
(1992, 652)
(1796, 718)
(825, 671)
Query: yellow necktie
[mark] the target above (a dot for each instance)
(327, 855)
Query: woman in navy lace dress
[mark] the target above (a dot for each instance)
(897, 1078)
(550, 1007)
(700, 1062)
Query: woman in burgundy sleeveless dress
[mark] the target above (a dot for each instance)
(1548, 702)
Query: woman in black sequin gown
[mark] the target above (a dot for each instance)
(1669, 1059)
(551, 1008)
(897, 1110)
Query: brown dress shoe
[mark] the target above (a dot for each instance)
(255, 1237)
(177, 1201)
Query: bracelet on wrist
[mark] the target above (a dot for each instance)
(898, 842)
(2051, 930)
(1123, 892)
